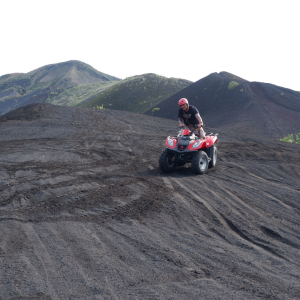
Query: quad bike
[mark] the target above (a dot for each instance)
(189, 148)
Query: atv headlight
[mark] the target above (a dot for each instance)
(171, 142)
(196, 145)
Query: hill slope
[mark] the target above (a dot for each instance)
(138, 93)
(85, 212)
(64, 83)
(225, 100)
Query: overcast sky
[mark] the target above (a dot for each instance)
(257, 40)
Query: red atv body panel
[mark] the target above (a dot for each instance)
(185, 146)
(189, 148)
(172, 143)
(169, 141)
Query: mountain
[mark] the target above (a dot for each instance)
(138, 93)
(223, 99)
(233, 103)
(66, 83)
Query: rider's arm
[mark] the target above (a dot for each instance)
(199, 119)
(180, 122)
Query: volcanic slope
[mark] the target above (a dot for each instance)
(138, 93)
(66, 83)
(85, 212)
(228, 101)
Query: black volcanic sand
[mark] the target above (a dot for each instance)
(86, 213)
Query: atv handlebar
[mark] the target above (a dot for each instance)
(194, 127)
(185, 126)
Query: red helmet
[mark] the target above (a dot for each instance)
(183, 101)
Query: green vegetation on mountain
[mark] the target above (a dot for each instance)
(138, 93)
(74, 83)
(232, 85)
(79, 94)
(290, 139)
(155, 109)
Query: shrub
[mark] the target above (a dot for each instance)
(155, 110)
(288, 139)
(232, 85)
(100, 107)
(297, 141)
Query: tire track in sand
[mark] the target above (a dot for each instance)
(228, 225)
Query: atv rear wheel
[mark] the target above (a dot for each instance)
(199, 163)
(213, 161)
(167, 161)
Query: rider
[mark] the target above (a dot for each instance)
(189, 116)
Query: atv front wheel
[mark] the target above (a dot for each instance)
(167, 161)
(199, 163)
(213, 161)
